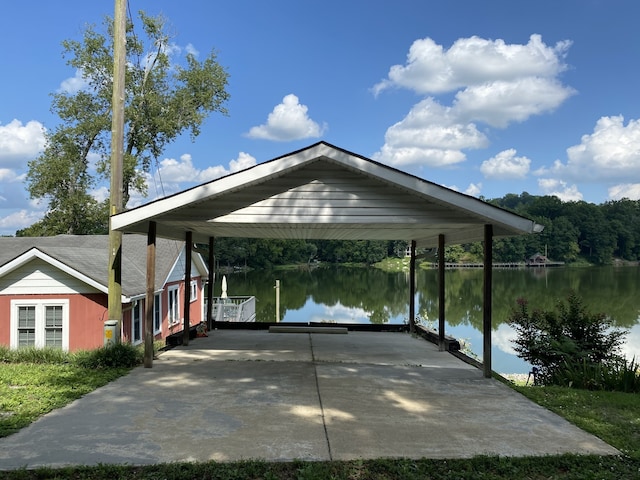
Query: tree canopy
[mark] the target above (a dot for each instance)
(164, 99)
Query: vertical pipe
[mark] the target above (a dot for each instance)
(210, 321)
(277, 287)
(486, 315)
(412, 288)
(150, 297)
(188, 244)
(441, 296)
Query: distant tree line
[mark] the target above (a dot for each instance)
(574, 231)
(266, 253)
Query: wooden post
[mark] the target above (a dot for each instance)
(412, 288)
(210, 321)
(486, 312)
(187, 288)
(114, 307)
(441, 296)
(150, 297)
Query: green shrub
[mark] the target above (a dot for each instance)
(121, 355)
(568, 346)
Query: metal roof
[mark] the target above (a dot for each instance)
(323, 192)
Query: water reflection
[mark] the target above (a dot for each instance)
(368, 295)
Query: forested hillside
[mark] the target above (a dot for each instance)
(574, 231)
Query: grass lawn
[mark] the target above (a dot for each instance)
(27, 391)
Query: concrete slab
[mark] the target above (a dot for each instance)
(250, 394)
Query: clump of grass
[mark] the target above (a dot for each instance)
(33, 355)
(121, 355)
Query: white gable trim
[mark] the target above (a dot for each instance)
(196, 260)
(34, 253)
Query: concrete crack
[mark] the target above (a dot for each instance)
(315, 372)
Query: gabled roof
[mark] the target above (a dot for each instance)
(323, 192)
(86, 257)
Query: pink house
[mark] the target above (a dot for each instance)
(53, 290)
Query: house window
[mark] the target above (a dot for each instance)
(174, 305)
(53, 326)
(194, 291)
(157, 313)
(26, 326)
(39, 323)
(136, 322)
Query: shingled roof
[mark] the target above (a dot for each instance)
(88, 255)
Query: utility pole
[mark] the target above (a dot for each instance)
(117, 152)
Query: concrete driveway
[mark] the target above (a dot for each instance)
(241, 394)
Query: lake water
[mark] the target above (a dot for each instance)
(369, 295)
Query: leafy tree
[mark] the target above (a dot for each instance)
(162, 101)
(563, 240)
(453, 253)
(548, 206)
(509, 250)
(624, 216)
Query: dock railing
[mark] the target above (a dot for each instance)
(234, 309)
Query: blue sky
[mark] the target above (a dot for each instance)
(485, 97)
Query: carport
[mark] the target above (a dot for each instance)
(325, 192)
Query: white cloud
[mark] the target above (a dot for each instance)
(243, 162)
(631, 347)
(100, 193)
(503, 338)
(73, 85)
(191, 50)
(19, 220)
(611, 152)
(178, 171)
(7, 175)
(474, 189)
(502, 102)
(630, 191)
(175, 175)
(339, 312)
(429, 135)
(20, 143)
(288, 121)
(506, 165)
(495, 83)
(559, 188)
(473, 61)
